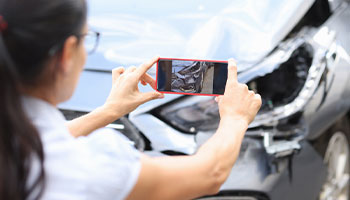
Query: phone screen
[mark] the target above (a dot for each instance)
(202, 77)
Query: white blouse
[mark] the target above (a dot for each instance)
(101, 166)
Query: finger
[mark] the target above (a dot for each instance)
(218, 99)
(117, 72)
(251, 92)
(232, 71)
(143, 82)
(146, 66)
(148, 96)
(130, 69)
(258, 99)
(148, 79)
(244, 86)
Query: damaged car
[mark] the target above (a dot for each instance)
(295, 54)
(190, 78)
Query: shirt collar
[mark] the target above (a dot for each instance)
(42, 112)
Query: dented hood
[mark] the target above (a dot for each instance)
(134, 31)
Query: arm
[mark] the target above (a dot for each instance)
(188, 177)
(123, 98)
(92, 121)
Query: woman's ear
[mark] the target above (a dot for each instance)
(68, 54)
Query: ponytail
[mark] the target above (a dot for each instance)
(29, 30)
(20, 144)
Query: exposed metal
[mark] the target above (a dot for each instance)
(311, 84)
(281, 148)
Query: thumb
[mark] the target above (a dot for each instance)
(218, 99)
(148, 96)
(116, 73)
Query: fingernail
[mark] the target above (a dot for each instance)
(232, 60)
(160, 96)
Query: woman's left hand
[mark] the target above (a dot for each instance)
(125, 96)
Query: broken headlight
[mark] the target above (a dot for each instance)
(190, 115)
(285, 87)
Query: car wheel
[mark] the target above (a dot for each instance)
(337, 159)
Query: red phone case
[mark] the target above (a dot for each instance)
(198, 94)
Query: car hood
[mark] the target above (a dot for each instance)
(134, 31)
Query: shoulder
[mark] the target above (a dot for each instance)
(112, 143)
(105, 165)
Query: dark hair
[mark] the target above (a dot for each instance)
(35, 33)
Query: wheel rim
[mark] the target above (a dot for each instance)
(337, 161)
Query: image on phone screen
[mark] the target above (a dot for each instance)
(191, 76)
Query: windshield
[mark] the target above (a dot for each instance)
(134, 31)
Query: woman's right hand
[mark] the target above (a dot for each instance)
(238, 102)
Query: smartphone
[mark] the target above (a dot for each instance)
(191, 77)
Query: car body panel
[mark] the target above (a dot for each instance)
(298, 181)
(337, 103)
(299, 177)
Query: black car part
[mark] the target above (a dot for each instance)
(122, 125)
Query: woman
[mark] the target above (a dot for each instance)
(42, 54)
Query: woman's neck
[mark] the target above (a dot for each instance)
(40, 93)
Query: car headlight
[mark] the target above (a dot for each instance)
(285, 90)
(191, 114)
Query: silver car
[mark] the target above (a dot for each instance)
(294, 53)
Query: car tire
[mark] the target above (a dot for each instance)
(334, 145)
